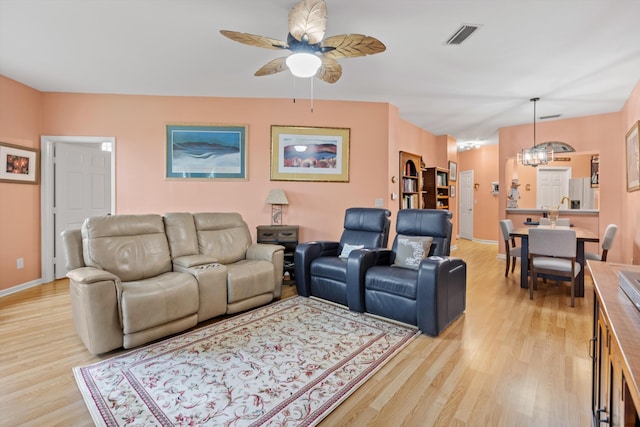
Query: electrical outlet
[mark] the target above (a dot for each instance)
(19, 263)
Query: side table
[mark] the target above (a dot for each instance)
(287, 236)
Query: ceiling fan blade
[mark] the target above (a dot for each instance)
(273, 67)
(254, 40)
(350, 45)
(308, 21)
(330, 71)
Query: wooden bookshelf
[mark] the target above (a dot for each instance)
(411, 185)
(436, 188)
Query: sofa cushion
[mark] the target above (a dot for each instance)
(248, 278)
(223, 236)
(162, 299)
(133, 247)
(411, 250)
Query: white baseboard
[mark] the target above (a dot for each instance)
(18, 288)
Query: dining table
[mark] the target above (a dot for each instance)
(582, 235)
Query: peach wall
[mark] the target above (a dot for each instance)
(20, 108)
(629, 231)
(594, 134)
(138, 124)
(484, 163)
(580, 165)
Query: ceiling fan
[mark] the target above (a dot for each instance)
(310, 54)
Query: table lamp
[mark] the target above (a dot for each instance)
(276, 199)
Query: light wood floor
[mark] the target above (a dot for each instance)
(508, 361)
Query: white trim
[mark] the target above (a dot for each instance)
(22, 287)
(47, 144)
(487, 242)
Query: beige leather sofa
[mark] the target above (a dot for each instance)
(137, 278)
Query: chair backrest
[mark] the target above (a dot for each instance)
(544, 221)
(435, 223)
(552, 242)
(563, 222)
(506, 226)
(366, 226)
(609, 235)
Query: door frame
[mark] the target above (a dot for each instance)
(47, 150)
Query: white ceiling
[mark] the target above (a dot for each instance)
(581, 57)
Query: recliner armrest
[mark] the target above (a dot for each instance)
(304, 254)
(357, 264)
(441, 291)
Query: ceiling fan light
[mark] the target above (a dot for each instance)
(303, 65)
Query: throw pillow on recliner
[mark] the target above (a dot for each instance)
(346, 249)
(411, 250)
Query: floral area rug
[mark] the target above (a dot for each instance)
(289, 363)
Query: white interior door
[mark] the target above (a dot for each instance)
(82, 189)
(465, 205)
(552, 186)
(78, 182)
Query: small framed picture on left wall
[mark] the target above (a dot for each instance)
(19, 164)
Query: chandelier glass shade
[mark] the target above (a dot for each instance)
(303, 64)
(536, 155)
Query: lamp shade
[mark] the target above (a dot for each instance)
(277, 197)
(303, 64)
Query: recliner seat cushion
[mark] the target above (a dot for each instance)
(157, 301)
(331, 267)
(392, 280)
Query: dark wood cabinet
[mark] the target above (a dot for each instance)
(615, 349)
(287, 236)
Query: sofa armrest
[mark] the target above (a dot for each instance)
(357, 264)
(86, 275)
(441, 293)
(96, 312)
(189, 261)
(273, 254)
(263, 251)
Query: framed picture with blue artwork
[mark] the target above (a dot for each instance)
(210, 152)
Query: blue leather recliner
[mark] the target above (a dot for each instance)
(431, 293)
(320, 270)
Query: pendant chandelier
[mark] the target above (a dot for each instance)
(536, 155)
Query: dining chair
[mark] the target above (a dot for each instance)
(607, 243)
(553, 252)
(561, 222)
(510, 249)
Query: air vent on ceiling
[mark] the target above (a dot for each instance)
(462, 34)
(552, 116)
